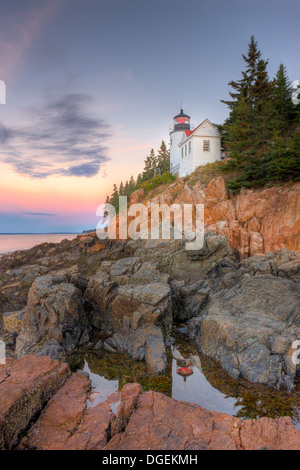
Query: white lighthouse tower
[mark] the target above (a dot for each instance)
(181, 123)
(192, 147)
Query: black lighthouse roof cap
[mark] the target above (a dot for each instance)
(182, 114)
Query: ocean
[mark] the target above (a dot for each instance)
(9, 243)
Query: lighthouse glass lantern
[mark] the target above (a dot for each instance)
(182, 121)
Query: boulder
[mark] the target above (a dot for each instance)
(148, 303)
(188, 301)
(284, 263)
(243, 327)
(13, 321)
(162, 423)
(25, 387)
(55, 314)
(69, 423)
(172, 257)
(127, 405)
(144, 343)
(155, 351)
(98, 297)
(290, 270)
(130, 300)
(125, 288)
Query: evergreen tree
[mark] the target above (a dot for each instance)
(139, 179)
(121, 189)
(131, 185)
(282, 99)
(239, 135)
(126, 188)
(250, 128)
(264, 122)
(243, 88)
(284, 162)
(114, 200)
(163, 158)
(150, 165)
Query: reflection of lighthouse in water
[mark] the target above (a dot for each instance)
(183, 372)
(189, 384)
(184, 368)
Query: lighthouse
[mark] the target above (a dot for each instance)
(192, 147)
(181, 122)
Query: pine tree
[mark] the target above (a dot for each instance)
(284, 163)
(249, 131)
(239, 135)
(139, 179)
(132, 185)
(163, 158)
(121, 189)
(150, 165)
(282, 99)
(126, 188)
(114, 200)
(242, 94)
(129, 187)
(265, 123)
(243, 88)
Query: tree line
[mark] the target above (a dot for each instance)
(262, 133)
(154, 161)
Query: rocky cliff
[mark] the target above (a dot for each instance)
(254, 221)
(238, 296)
(44, 407)
(243, 314)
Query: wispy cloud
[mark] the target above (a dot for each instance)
(39, 214)
(63, 139)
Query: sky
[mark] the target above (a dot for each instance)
(93, 85)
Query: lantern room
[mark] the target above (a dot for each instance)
(182, 121)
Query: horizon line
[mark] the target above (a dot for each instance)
(40, 233)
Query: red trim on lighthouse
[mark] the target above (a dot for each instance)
(188, 133)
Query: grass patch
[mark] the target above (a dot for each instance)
(157, 181)
(204, 174)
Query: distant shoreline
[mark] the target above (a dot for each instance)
(11, 242)
(44, 233)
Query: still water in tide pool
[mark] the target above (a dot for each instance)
(190, 377)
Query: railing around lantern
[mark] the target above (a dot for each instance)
(181, 127)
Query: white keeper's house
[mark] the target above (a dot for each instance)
(192, 146)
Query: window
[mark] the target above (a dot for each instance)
(206, 145)
(190, 147)
(182, 152)
(185, 148)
